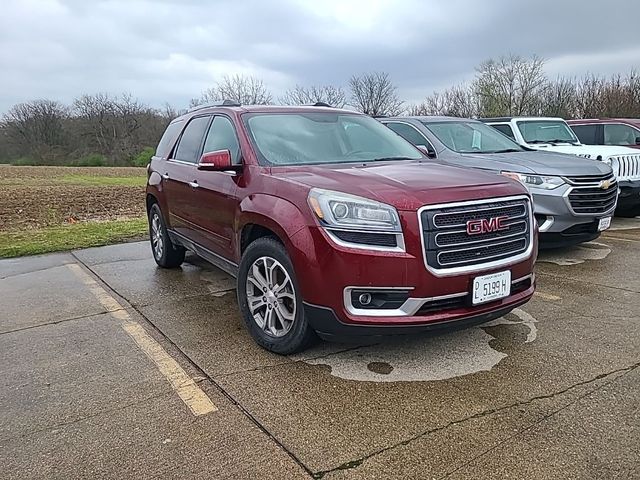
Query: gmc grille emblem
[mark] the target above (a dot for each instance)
(486, 225)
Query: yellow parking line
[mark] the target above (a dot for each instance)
(188, 391)
(547, 296)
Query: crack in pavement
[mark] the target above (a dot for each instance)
(359, 461)
(204, 374)
(545, 417)
(56, 322)
(87, 417)
(11, 275)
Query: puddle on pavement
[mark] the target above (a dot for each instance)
(423, 358)
(575, 255)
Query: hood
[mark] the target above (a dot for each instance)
(537, 162)
(407, 185)
(588, 151)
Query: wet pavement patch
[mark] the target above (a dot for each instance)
(548, 391)
(382, 368)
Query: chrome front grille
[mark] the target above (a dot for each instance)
(451, 245)
(593, 195)
(626, 167)
(589, 179)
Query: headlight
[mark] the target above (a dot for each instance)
(542, 182)
(341, 210)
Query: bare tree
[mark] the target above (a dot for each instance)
(458, 101)
(510, 85)
(328, 94)
(36, 129)
(246, 90)
(558, 99)
(588, 96)
(375, 94)
(116, 127)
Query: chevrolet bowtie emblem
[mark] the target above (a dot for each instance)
(605, 184)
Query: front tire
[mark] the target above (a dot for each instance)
(165, 253)
(270, 300)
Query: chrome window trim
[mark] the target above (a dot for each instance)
(182, 162)
(447, 272)
(399, 248)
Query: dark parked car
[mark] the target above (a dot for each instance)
(334, 225)
(623, 132)
(573, 198)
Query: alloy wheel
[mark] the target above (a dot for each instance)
(157, 240)
(271, 296)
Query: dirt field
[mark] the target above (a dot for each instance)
(36, 197)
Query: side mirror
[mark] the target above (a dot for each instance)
(215, 161)
(427, 151)
(637, 140)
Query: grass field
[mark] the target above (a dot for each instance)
(45, 209)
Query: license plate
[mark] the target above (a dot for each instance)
(491, 287)
(604, 223)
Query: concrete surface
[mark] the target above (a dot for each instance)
(549, 391)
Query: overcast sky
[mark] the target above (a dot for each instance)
(169, 51)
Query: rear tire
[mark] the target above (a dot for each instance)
(270, 299)
(165, 253)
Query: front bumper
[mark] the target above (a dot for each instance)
(629, 198)
(333, 270)
(559, 225)
(329, 326)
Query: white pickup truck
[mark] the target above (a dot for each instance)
(555, 135)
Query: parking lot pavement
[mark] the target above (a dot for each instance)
(549, 391)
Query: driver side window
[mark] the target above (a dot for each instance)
(410, 134)
(222, 136)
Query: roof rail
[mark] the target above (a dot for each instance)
(321, 104)
(221, 103)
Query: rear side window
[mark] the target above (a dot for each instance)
(587, 134)
(408, 133)
(222, 136)
(190, 144)
(618, 134)
(506, 129)
(167, 138)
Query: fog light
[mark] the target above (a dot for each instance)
(364, 299)
(379, 298)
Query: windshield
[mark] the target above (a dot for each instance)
(324, 137)
(546, 131)
(471, 137)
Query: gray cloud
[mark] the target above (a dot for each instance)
(172, 50)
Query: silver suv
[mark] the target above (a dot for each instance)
(574, 198)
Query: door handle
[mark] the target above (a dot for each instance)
(165, 176)
(194, 184)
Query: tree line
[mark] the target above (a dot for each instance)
(103, 129)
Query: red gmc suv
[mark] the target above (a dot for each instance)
(336, 226)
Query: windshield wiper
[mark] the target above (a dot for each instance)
(387, 159)
(555, 141)
(506, 150)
